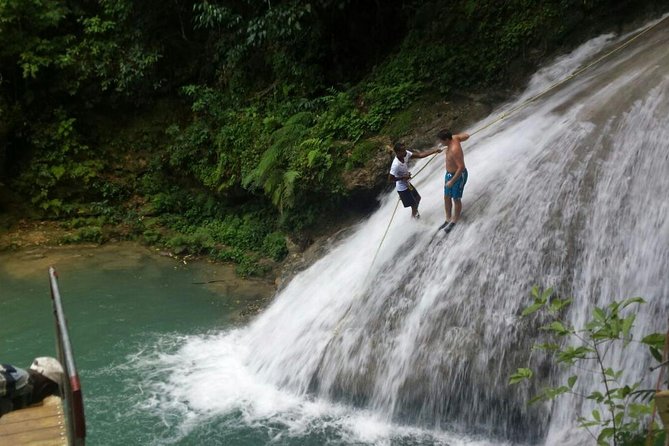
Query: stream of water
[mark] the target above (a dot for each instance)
(571, 192)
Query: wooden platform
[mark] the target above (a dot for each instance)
(39, 425)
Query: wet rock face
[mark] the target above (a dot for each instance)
(371, 178)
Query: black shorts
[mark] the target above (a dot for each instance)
(409, 197)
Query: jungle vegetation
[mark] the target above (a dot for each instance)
(218, 127)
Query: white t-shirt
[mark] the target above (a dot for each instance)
(401, 169)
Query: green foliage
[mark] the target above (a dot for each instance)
(210, 15)
(196, 224)
(284, 154)
(61, 167)
(261, 41)
(292, 163)
(385, 99)
(57, 60)
(340, 119)
(247, 265)
(621, 413)
(24, 27)
(92, 234)
(399, 125)
(82, 222)
(284, 97)
(362, 152)
(274, 246)
(115, 56)
(67, 49)
(250, 267)
(520, 375)
(151, 236)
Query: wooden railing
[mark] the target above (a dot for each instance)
(71, 387)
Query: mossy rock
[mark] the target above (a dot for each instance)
(362, 152)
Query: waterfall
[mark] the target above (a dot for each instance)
(570, 192)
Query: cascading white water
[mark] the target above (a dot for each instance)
(570, 192)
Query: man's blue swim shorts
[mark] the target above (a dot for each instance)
(458, 187)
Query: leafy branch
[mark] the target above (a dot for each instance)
(623, 407)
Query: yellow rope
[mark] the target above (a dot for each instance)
(382, 239)
(502, 117)
(341, 320)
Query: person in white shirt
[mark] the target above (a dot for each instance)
(400, 175)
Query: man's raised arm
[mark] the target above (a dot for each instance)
(461, 136)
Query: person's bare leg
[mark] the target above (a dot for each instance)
(447, 207)
(458, 210)
(414, 210)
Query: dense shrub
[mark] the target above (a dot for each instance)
(274, 246)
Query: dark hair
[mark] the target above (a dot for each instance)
(398, 146)
(444, 135)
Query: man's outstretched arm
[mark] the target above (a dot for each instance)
(425, 153)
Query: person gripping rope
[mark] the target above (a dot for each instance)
(400, 175)
(20, 388)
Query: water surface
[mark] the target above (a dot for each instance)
(120, 302)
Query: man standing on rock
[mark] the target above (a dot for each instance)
(400, 175)
(456, 176)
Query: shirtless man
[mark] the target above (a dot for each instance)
(456, 176)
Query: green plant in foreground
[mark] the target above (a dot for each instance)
(623, 408)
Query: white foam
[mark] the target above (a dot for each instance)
(435, 321)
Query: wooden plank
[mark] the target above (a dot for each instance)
(35, 424)
(40, 425)
(51, 406)
(43, 437)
